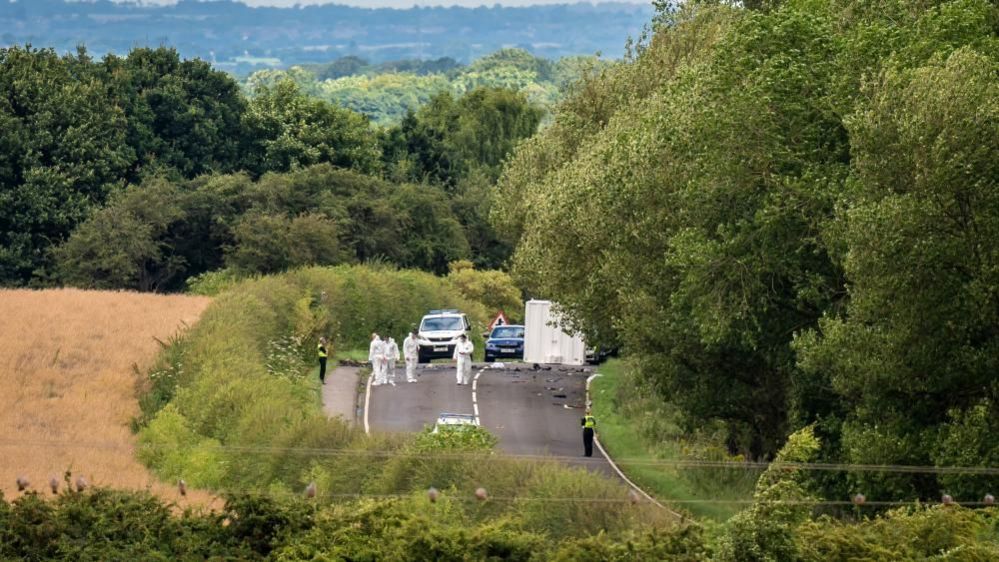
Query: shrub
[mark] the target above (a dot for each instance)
(909, 533)
(495, 289)
(681, 544)
(765, 531)
(174, 450)
(212, 283)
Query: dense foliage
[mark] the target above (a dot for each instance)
(386, 92)
(157, 234)
(76, 131)
(143, 171)
(73, 130)
(104, 524)
(788, 214)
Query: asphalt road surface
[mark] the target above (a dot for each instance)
(531, 412)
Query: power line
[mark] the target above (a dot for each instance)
(571, 460)
(630, 499)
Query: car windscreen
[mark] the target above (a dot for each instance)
(508, 332)
(446, 323)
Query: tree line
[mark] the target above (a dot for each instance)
(142, 171)
(386, 92)
(787, 213)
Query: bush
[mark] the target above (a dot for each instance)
(212, 283)
(909, 533)
(765, 531)
(174, 450)
(495, 289)
(104, 524)
(454, 439)
(684, 544)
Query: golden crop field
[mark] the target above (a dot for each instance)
(68, 361)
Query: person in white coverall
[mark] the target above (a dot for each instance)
(411, 353)
(391, 356)
(463, 355)
(376, 354)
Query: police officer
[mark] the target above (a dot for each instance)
(323, 354)
(589, 423)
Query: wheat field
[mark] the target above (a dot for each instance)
(68, 362)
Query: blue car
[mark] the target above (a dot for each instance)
(506, 342)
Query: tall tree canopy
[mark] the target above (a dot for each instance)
(785, 212)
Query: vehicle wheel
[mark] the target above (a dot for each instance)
(490, 359)
(423, 358)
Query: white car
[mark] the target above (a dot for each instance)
(439, 332)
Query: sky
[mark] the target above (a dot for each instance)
(401, 3)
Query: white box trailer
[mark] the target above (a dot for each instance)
(544, 340)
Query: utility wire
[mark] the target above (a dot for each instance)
(471, 498)
(572, 460)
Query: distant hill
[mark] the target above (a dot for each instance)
(240, 39)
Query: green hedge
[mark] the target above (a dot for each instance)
(102, 524)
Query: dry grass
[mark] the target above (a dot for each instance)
(68, 362)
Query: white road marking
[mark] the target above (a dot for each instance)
(367, 403)
(475, 400)
(614, 466)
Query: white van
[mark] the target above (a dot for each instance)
(438, 334)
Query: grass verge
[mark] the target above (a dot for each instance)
(637, 429)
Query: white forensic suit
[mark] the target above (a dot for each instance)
(411, 353)
(376, 355)
(463, 355)
(391, 356)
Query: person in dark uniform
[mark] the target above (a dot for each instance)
(323, 354)
(589, 423)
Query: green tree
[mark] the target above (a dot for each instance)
(914, 355)
(182, 115)
(793, 204)
(273, 243)
(62, 150)
(495, 289)
(430, 237)
(451, 138)
(122, 245)
(287, 129)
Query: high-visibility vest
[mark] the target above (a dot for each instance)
(589, 421)
(322, 350)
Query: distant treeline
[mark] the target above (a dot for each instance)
(141, 171)
(240, 39)
(385, 92)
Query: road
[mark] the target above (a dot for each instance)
(531, 412)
